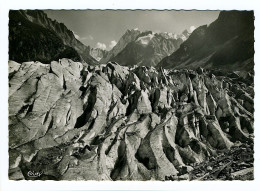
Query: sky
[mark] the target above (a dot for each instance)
(103, 28)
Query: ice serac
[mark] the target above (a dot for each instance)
(111, 122)
(227, 43)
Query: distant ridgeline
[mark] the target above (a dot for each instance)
(35, 37)
(227, 43)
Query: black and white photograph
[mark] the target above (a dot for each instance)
(130, 95)
(121, 95)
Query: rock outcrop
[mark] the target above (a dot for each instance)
(110, 122)
(227, 43)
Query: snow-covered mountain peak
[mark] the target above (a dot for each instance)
(152, 47)
(144, 40)
(168, 35)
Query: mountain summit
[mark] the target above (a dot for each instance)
(144, 48)
(129, 36)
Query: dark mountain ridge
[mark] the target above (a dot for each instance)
(35, 37)
(228, 42)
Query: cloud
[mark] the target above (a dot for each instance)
(89, 37)
(192, 28)
(112, 44)
(101, 45)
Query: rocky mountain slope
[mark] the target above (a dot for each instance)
(35, 37)
(144, 48)
(109, 122)
(227, 43)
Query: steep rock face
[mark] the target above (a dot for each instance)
(111, 122)
(226, 43)
(35, 37)
(145, 48)
(128, 37)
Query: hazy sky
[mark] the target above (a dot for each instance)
(104, 28)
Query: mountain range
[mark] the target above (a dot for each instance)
(34, 36)
(228, 42)
(144, 48)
